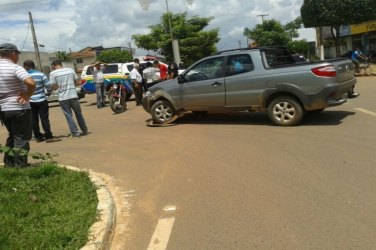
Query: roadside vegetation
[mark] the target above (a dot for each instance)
(45, 207)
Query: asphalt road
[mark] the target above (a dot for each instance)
(234, 181)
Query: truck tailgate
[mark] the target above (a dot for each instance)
(345, 70)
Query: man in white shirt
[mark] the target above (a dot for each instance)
(137, 83)
(65, 80)
(98, 80)
(150, 74)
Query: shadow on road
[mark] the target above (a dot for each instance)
(247, 118)
(325, 118)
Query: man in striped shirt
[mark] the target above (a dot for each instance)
(65, 80)
(16, 88)
(39, 104)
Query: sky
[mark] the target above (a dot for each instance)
(72, 25)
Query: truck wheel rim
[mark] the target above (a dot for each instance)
(284, 112)
(163, 112)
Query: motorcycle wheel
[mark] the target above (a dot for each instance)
(115, 106)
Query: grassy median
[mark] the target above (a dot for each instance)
(45, 207)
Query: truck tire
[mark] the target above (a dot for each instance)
(162, 112)
(285, 111)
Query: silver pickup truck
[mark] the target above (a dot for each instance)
(253, 79)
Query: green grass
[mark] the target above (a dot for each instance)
(45, 207)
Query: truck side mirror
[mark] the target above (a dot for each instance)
(181, 79)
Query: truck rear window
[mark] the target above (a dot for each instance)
(277, 57)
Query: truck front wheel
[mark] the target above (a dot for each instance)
(285, 111)
(162, 112)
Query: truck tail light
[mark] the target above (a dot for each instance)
(325, 71)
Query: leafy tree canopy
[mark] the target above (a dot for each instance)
(318, 13)
(292, 27)
(115, 56)
(271, 33)
(300, 47)
(194, 42)
(63, 56)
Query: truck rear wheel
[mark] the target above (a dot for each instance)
(285, 111)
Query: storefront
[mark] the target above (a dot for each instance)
(364, 35)
(361, 35)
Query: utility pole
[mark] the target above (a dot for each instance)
(36, 48)
(262, 17)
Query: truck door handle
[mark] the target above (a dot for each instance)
(216, 84)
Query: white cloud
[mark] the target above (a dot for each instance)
(70, 24)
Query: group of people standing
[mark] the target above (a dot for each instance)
(142, 77)
(23, 101)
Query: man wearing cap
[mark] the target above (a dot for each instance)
(16, 88)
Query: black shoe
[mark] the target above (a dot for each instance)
(39, 139)
(53, 139)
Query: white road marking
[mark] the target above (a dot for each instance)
(161, 235)
(366, 111)
(169, 208)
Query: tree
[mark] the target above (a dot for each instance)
(194, 42)
(300, 47)
(269, 33)
(62, 56)
(292, 27)
(115, 56)
(334, 13)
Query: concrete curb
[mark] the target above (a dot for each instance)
(102, 231)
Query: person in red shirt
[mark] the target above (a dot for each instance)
(162, 69)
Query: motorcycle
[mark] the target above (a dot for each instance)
(117, 96)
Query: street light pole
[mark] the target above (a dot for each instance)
(174, 43)
(169, 21)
